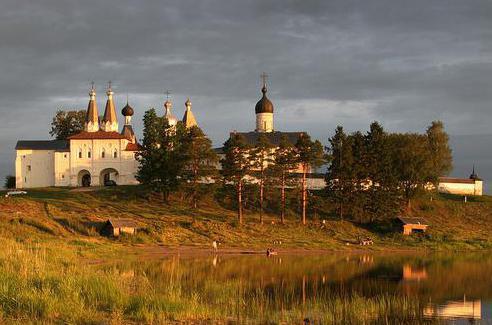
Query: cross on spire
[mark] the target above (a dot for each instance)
(264, 78)
(109, 84)
(168, 92)
(92, 85)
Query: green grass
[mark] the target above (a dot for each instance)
(62, 214)
(48, 283)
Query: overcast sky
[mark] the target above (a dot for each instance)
(403, 63)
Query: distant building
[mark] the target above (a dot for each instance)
(97, 156)
(116, 227)
(461, 186)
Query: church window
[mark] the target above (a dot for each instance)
(80, 153)
(25, 179)
(29, 167)
(88, 154)
(115, 154)
(103, 153)
(65, 156)
(63, 176)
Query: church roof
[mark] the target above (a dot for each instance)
(57, 145)
(109, 111)
(92, 114)
(127, 110)
(264, 105)
(96, 135)
(132, 147)
(188, 117)
(127, 132)
(456, 180)
(273, 137)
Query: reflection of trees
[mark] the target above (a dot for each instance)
(307, 283)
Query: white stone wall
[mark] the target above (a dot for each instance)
(62, 169)
(34, 168)
(475, 188)
(264, 122)
(105, 155)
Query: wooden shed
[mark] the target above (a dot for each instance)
(413, 225)
(116, 227)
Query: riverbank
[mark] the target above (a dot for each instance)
(76, 218)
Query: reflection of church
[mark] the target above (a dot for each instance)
(99, 155)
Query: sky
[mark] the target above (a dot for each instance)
(402, 63)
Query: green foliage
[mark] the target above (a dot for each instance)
(261, 157)
(441, 160)
(67, 123)
(373, 174)
(9, 182)
(309, 155)
(163, 155)
(200, 163)
(236, 165)
(284, 161)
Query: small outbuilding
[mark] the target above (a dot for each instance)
(116, 227)
(413, 225)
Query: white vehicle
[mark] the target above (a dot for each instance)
(15, 193)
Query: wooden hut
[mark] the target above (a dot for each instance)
(116, 227)
(413, 225)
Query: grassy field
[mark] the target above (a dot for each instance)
(51, 242)
(76, 218)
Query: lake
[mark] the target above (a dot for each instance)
(321, 289)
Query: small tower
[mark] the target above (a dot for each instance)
(188, 117)
(264, 111)
(473, 175)
(110, 121)
(127, 131)
(171, 119)
(92, 116)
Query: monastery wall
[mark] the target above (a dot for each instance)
(461, 188)
(34, 168)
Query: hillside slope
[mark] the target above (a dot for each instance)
(68, 215)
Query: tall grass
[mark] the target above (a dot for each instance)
(50, 284)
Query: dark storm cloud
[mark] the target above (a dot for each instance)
(403, 63)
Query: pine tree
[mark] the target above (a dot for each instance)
(340, 174)
(261, 156)
(382, 192)
(284, 162)
(200, 164)
(162, 156)
(309, 156)
(235, 166)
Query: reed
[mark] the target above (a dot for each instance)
(48, 283)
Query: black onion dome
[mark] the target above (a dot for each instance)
(264, 105)
(127, 110)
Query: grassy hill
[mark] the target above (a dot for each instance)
(76, 217)
(52, 261)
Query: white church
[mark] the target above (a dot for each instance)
(100, 155)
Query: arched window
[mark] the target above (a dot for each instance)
(103, 153)
(89, 153)
(80, 153)
(115, 154)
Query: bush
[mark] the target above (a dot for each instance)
(9, 182)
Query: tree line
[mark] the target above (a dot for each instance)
(369, 176)
(376, 175)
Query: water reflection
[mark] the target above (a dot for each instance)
(455, 309)
(323, 289)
